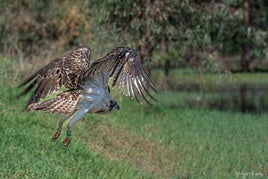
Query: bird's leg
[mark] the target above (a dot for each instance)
(74, 119)
(67, 139)
(58, 132)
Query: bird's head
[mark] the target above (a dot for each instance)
(112, 105)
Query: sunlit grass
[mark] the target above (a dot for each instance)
(26, 150)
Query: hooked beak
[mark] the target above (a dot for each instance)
(114, 105)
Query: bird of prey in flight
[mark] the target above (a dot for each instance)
(86, 85)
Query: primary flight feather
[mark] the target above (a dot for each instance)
(87, 84)
(65, 70)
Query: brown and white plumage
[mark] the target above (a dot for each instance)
(63, 103)
(88, 90)
(63, 71)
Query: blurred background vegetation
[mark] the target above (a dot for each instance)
(205, 35)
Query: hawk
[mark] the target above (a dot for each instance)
(87, 85)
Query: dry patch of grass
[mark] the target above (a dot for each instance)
(120, 144)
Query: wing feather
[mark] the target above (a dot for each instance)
(63, 103)
(65, 70)
(141, 91)
(132, 91)
(145, 89)
(124, 66)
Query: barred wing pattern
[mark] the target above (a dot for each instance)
(64, 103)
(61, 71)
(125, 67)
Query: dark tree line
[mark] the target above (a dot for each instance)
(178, 33)
(190, 28)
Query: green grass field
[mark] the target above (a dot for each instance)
(163, 141)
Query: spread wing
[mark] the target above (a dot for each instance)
(125, 67)
(63, 103)
(65, 70)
